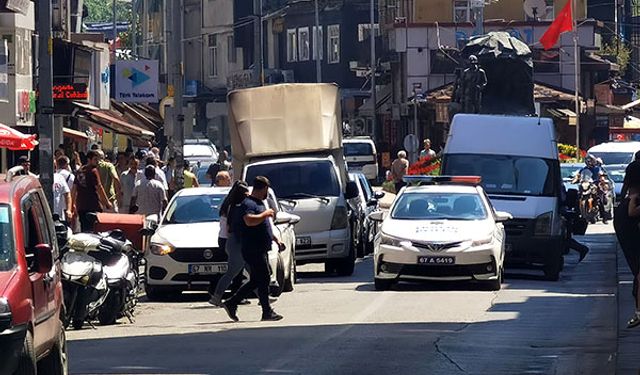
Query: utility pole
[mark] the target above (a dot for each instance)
(115, 30)
(45, 99)
(372, 37)
(258, 64)
(576, 62)
(318, 45)
(177, 80)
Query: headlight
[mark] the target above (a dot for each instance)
(340, 218)
(161, 249)
(4, 306)
(484, 241)
(543, 224)
(390, 241)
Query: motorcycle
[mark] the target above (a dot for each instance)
(589, 201)
(100, 278)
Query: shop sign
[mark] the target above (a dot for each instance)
(137, 81)
(70, 91)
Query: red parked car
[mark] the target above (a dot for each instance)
(32, 337)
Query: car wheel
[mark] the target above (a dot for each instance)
(346, 266)
(361, 245)
(276, 291)
(110, 309)
(159, 294)
(56, 362)
(496, 284)
(27, 360)
(288, 283)
(553, 266)
(383, 284)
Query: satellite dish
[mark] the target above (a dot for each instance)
(535, 9)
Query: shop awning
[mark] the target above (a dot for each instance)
(75, 134)
(564, 113)
(120, 126)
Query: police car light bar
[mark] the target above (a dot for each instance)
(434, 180)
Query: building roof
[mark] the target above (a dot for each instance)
(542, 93)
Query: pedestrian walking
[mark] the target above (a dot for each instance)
(128, 182)
(122, 163)
(250, 219)
(23, 168)
(427, 152)
(159, 175)
(190, 179)
(65, 171)
(149, 196)
(110, 181)
(230, 241)
(399, 169)
(223, 179)
(61, 198)
(87, 195)
(626, 221)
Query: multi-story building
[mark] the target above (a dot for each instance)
(424, 37)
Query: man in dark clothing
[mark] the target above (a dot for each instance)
(251, 219)
(88, 193)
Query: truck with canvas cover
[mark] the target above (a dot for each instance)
(292, 134)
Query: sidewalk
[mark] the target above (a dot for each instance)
(628, 358)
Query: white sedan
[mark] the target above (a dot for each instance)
(442, 230)
(184, 252)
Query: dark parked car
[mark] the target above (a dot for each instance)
(365, 203)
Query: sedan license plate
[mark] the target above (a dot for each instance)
(303, 241)
(437, 260)
(207, 269)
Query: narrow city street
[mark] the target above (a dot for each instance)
(341, 325)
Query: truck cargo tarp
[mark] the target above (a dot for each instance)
(508, 64)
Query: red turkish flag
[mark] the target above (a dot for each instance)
(562, 23)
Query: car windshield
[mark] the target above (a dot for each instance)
(300, 179)
(198, 150)
(439, 206)
(617, 174)
(189, 209)
(503, 174)
(358, 149)
(7, 248)
(202, 176)
(568, 171)
(609, 158)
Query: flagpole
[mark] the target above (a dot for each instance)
(576, 62)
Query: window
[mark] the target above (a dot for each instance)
(231, 49)
(189, 209)
(7, 250)
(461, 11)
(364, 30)
(213, 55)
(333, 43)
(292, 45)
(303, 43)
(318, 46)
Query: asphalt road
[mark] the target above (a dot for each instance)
(342, 326)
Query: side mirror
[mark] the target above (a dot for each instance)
(282, 218)
(352, 190)
(377, 216)
(295, 219)
(152, 221)
(43, 258)
(502, 216)
(372, 202)
(378, 195)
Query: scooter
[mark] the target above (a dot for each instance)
(99, 280)
(589, 201)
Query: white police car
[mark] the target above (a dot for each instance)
(440, 228)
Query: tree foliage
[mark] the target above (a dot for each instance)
(102, 10)
(620, 50)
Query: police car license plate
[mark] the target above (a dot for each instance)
(436, 260)
(303, 241)
(207, 269)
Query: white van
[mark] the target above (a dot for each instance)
(360, 154)
(517, 158)
(615, 152)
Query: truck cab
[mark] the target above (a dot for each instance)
(31, 329)
(517, 158)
